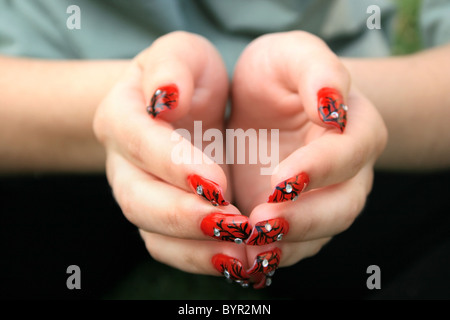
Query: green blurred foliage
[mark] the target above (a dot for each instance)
(407, 34)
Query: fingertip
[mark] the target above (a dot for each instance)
(168, 91)
(324, 89)
(289, 189)
(331, 108)
(165, 98)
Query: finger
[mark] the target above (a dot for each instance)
(184, 74)
(332, 158)
(190, 255)
(307, 66)
(151, 143)
(297, 66)
(291, 252)
(245, 265)
(323, 82)
(317, 214)
(233, 262)
(158, 207)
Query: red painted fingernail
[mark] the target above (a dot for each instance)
(261, 281)
(226, 227)
(266, 262)
(332, 109)
(264, 268)
(289, 189)
(268, 231)
(230, 267)
(165, 98)
(260, 274)
(207, 189)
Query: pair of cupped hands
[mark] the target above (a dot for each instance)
(212, 218)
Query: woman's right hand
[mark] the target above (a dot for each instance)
(179, 79)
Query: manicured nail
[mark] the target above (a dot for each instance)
(289, 189)
(260, 274)
(261, 281)
(266, 262)
(231, 268)
(332, 109)
(268, 231)
(165, 98)
(207, 189)
(226, 227)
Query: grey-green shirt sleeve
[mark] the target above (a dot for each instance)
(435, 22)
(111, 29)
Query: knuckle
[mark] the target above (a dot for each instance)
(308, 226)
(152, 247)
(98, 124)
(382, 138)
(134, 147)
(358, 158)
(356, 206)
(173, 222)
(124, 196)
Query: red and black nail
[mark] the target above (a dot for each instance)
(264, 268)
(231, 268)
(260, 274)
(289, 189)
(207, 189)
(332, 109)
(165, 98)
(226, 227)
(268, 231)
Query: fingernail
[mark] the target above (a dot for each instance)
(332, 109)
(289, 189)
(264, 268)
(165, 98)
(261, 281)
(230, 267)
(207, 189)
(266, 262)
(268, 231)
(260, 274)
(226, 227)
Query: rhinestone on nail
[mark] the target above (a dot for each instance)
(199, 190)
(334, 115)
(226, 274)
(268, 227)
(279, 237)
(238, 240)
(268, 282)
(345, 107)
(216, 232)
(271, 273)
(288, 188)
(265, 263)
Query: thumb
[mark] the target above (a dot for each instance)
(182, 73)
(322, 80)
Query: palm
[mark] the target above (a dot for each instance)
(265, 105)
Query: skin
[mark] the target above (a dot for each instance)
(89, 131)
(46, 111)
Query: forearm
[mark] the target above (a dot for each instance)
(411, 93)
(46, 113)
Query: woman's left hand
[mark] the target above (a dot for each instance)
(330, 137)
